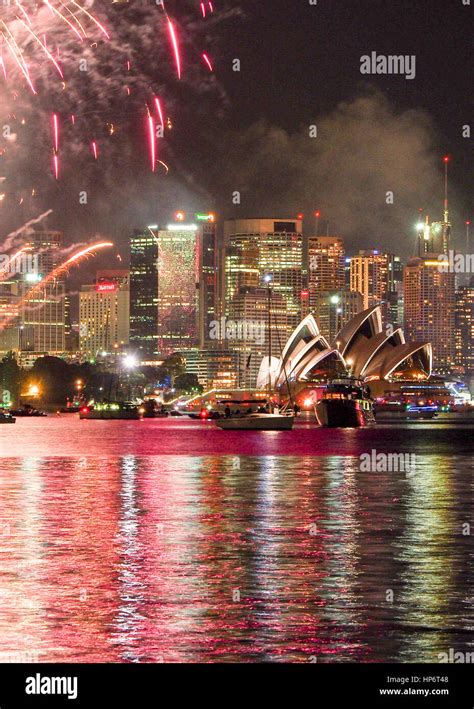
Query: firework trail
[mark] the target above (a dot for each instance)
(98, 64)
(10, 239)
(108, 88)
(23, 22)
(64, 268)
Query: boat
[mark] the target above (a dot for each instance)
(28, 411)
(407, 412)
(6, 417)
(111, 411)
(257, 422)
(346, 403)
(153, 410)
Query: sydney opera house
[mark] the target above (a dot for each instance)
(362, 349)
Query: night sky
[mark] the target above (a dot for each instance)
(247, 131)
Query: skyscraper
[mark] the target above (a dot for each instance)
(333, 309)
(326, 262)
(144, 293)
(44, 312)
(371, 274)
(104, 314)
(429, 295)
(251, 308)
(430, 289)
(208, 276)
(464, 328)
(179, 247)
(256, 247)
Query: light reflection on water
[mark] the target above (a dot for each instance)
(143, 559)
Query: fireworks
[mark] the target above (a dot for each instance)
(152, 135)
(75, 260)
(81, 58)
(208, 62)
(25, 20)
(175, 45)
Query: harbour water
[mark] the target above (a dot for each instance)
(168, 540)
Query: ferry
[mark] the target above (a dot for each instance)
(113, 411)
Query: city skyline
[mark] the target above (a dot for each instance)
(196, 279)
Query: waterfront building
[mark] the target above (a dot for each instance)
(246, 329)
(44, 311)
(215, 368)
(104, 314)
(255, 248)
(372, 275)
(429, 304)
(144, 293)
(362, 349)
(464, 328)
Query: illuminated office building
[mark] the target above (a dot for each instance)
(248, 316)
(178, 287)
(464, 328)
(326, 266)
(333, 309)
(255, 248)
(144, 293)
(209, 270)
(429, 301)
(104, 314)
(44, 312)
(372, 275)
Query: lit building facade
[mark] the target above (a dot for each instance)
(44, 312)
(178, 287)
(326, 266)
(209, 266)
(251, 307)
(144, 293)
(372, 275)
(258, 247)
(429, 304)
(333, 309)
(104, 316)
(464, 328)
(214, 369)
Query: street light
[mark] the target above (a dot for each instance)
(130, 361)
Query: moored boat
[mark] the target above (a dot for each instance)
(28, 411)
(114, 411)
(6, 417)
(346, 403)
(257, 422)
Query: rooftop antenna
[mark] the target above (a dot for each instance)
(446, 212)
(446, 224)
(418, 235)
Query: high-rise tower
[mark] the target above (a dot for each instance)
(144, 293)
(259, 247)
(44, 313)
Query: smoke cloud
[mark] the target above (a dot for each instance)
(363, 151)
